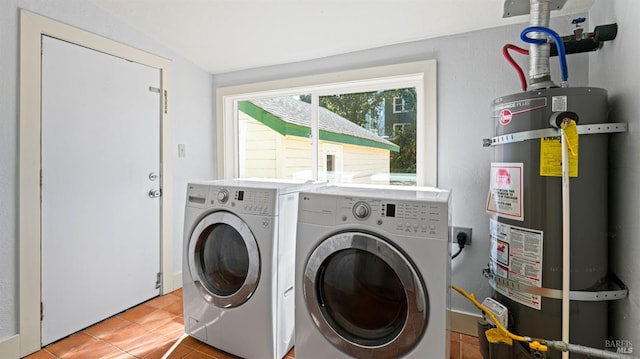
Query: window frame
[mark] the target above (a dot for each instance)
(421, 74)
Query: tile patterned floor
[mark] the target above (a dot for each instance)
(155, 329)
(146, 331)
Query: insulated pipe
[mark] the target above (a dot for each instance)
(556, 38)
(539, 71)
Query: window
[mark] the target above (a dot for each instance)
(398, 128)
(331, 167)
(331, 160)
(340, 127)
(399, 105)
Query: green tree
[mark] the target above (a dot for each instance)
(404, 161)
(362, 108)
(355, 107)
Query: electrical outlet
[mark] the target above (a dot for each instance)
(457, 230)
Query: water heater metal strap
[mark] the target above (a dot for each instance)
(553, 132)
(584, 296)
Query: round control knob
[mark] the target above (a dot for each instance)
(361, 210)
(223, 196)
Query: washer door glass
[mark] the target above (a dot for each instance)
(365, 296)
(224, 259)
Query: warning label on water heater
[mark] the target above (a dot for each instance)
(551, 153)
(505, 190)
(516, 254)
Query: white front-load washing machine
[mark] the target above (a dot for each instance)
(373, 273)
(238, 265)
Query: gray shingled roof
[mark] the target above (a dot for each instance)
(298, 112)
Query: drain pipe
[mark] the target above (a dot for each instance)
(563, 121)
(566, 240)
(539, 71)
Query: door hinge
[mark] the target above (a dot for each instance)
(41, 311)
(165, 101)
(158, 280)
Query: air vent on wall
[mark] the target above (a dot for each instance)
(522, 7)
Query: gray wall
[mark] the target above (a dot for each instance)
(471, 73)
(192, 116)
(615, 68)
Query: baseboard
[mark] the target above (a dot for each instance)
(177, 281)
(10, 347)
(464, 323)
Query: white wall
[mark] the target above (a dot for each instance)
(8, 168)
(192, 115)
(615, 68)
(471, 73)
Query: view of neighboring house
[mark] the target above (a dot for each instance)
(275, 143)
(399, 114)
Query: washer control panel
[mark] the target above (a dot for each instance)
(399, 216)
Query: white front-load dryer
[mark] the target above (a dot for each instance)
(372, 273)
(238, 265)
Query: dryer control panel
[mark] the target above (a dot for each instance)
(259, 201)
(399, 216)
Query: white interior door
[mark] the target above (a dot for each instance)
(100, 145)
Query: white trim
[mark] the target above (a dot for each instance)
(347, 81)
(315, 135)
(32, 27)
(10, 347)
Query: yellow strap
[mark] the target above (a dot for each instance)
(571, 133)
(495, 335)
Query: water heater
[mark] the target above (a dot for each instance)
(548, 205)
(525, 203)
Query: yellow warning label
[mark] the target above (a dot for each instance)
(551, 153)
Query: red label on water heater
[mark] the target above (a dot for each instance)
(506, 190)
(503, 178)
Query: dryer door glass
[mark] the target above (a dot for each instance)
(224, 259)
(365, 296)
(352, 285)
